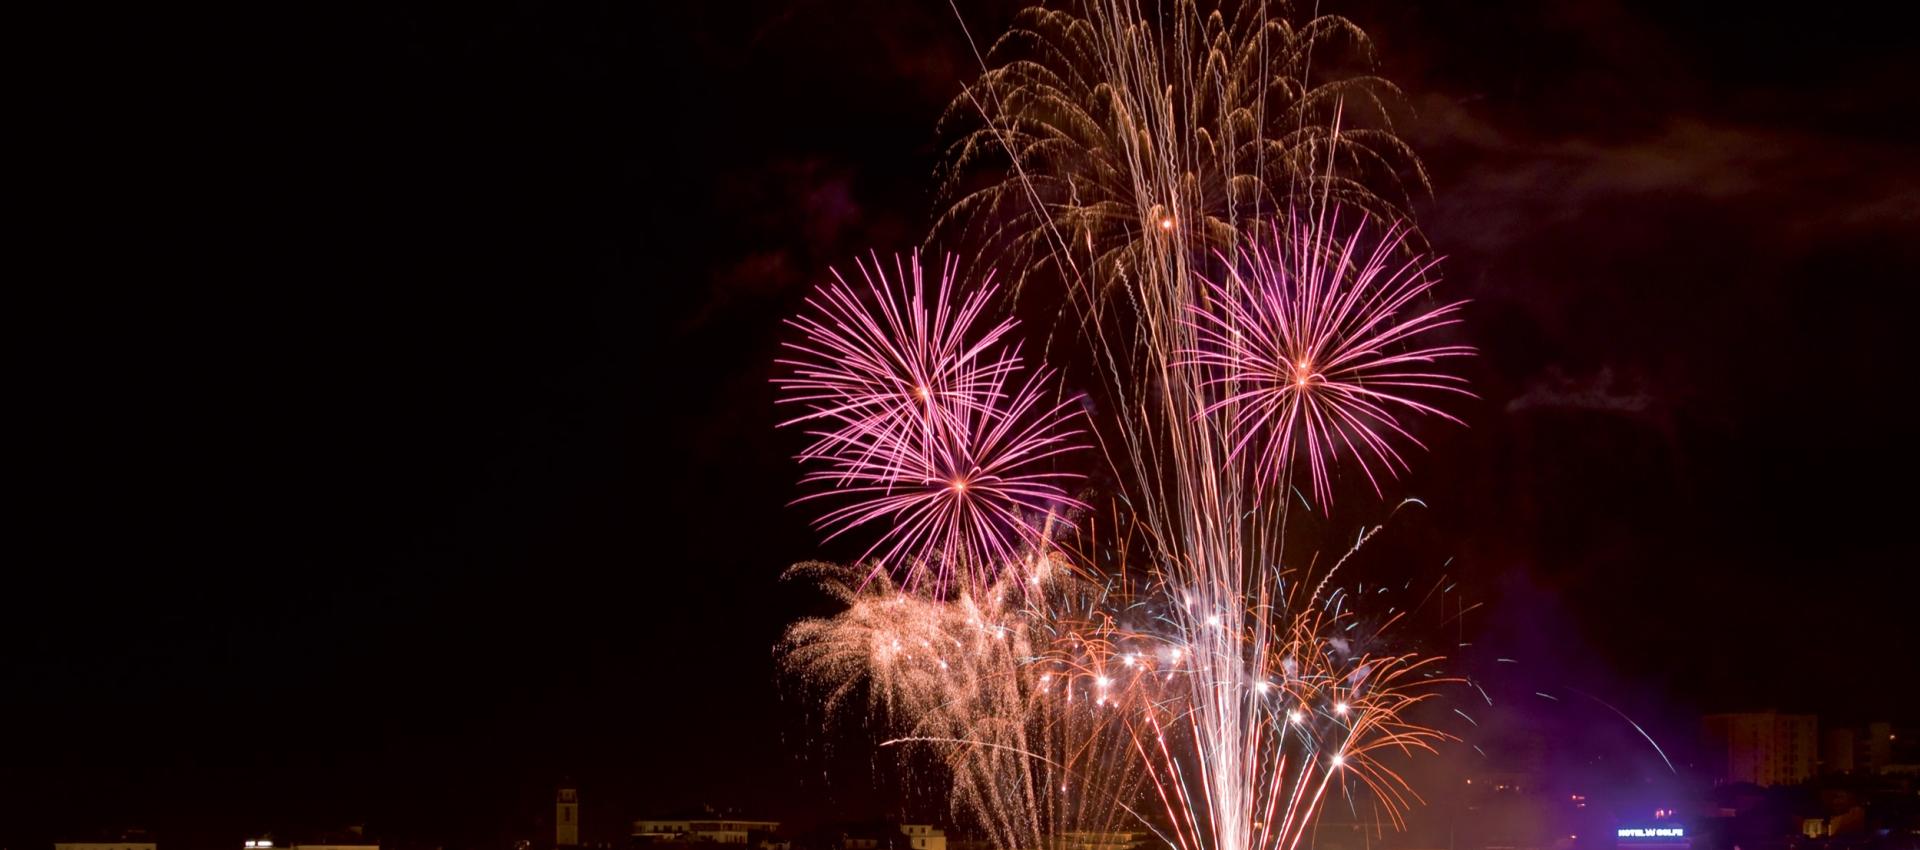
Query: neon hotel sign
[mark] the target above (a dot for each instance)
(1651, 832)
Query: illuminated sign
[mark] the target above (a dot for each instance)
(1651, 832)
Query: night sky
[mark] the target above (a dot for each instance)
(398, 437)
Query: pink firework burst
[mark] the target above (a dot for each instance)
(1319, 346)
(922, 427)
(890, 356)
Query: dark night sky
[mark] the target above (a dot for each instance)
(399, 437)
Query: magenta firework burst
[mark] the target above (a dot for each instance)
(889, 354)
(1318, 341)
(923, 426)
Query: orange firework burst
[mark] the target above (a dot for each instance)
(957, 678)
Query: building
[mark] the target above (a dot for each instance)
(132, 839)
(1868, 749)
(921, 836)
(710, 829)
(1836, 752)
(566, 817)
(1764, 748)
(1879, 747)
(351, 838)
(878, 835)
(1654, 836)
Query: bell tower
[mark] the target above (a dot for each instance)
(566, 817)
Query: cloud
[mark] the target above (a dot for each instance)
(762, 272)
(1602, 391)
(789, 219)
(1783, 179)
(810, 196)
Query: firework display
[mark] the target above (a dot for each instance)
(1252, 311)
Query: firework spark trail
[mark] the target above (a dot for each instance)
(920, 427)
(1211, 107)
(956, 677)
(1173, 195)
(1132, 141)
(1090, 686)
(1125, 133)
(1142, 150)
(1141, 140)
(1315, 348)
(1321, 709)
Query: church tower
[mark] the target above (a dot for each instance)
(566, 817)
